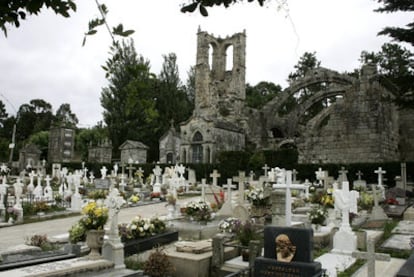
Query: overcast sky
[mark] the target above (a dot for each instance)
(44, 58)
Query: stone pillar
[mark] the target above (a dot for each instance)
(278, 200)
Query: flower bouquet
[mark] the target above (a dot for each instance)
(198, 210)
(256, 196)
(141, 227)
(318, 215)
(94, 216)
(229, 225)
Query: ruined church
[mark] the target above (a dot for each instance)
(361, 124)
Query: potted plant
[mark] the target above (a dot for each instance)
(198, 211)
(317, 216)
(245, 232)
(158, 264)
(93, 221)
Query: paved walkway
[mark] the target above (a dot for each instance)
(17, 234)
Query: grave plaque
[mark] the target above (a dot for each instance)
(297, 245)
(101, 183)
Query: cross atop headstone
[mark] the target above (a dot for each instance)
(3, 192)
(215, 175)
(251, 176)
(371, 256)
(157, 172)
(140, 175)
(359, 174)
(130, 169)
(229, 187)
(342, 175)
(114, 203)
(345, 200)
(294, 174)
(266, 169)
(320, 175)
(379, 171)
(240, 179)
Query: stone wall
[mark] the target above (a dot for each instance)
(406, 121)
(61, 145)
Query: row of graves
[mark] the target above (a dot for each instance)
(269, 226)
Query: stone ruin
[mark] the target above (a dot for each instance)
(360, 123)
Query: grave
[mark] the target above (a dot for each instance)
(401, 235)
(371, 257)
(287, 252)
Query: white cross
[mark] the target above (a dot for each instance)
(215, 175)
(379, 171)
(265, 168)
(371, 256)
(229, 187)
(345, 200)
(359, 174)
(294, 174)
(241, 179)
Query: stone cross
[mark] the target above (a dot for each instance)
(215, 175)
(203, 189)
(359, 174)
(91, 177)
(240, 179)
(371, 256)
(288, 196)
(229, 187)
(48, 192)
(320, 175)
(404, 175)
(345, 200)
(122, 168)
(103, 172)
(140, 174)
(18, 190)
(266, 169)
(116, 169)
(157, 172)
(379, 171)
(294, 174)
(130, 169)
(30, 186)
(342, 175)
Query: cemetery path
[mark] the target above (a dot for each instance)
(17, 234)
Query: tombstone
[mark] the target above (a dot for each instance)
(377, 212)
(18, 191)
(38, 191)
(345, 240)
(3, 192)
(320, 176)
(226, 208)
(113, 248)
(215, 175)
(130, 170)
(240, 179)
(203, 189)
(103, 172)
(76, 199)
(359, 183)
(294, 176)
(379, 171)
(48, 191)
(287, 252)
(265, 169)
(157, 173)
(279, 218)
(192, 179)
(140, 175)
(342, 175)
(371, 256)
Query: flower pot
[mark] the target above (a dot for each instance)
(245, 255)
(95, 240)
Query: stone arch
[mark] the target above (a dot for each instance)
(197, 147)
(287, 143)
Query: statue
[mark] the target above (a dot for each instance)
(285, 250)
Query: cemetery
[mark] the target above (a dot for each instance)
(331, 196)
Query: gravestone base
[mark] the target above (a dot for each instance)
(272, 268)
(114, 251)
(377, 214)
(344, 242)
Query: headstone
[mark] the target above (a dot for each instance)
(359, 183)
(287, 252)
(287, 220)
(377, 211)
(342, 175)
(265, 168)
(113, 249)
(103, 172)
(157, 173)
(215, 175)
(320, 176)
(56, 167)
(38, 191)
(240, 179)
(18, 191)
(203, 189)
(140, 175)
(379, 171)
(294, 175)
(371, 256)
(130, 169)
(229, 187)
(345, 240)
(48, 192)
(192, 176)
(3, 193)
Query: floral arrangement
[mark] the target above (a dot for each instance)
(77, 233)
(392, 201)
(256, 196)
(318, 215)
(141, 227)
(94, 216)
(245, 232)
(134, 198)
(98, 194)
(229, 225)
(327, 200)
(366, 200)
(198, 210)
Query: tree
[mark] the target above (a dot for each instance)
(172, 101)
(202, 4)
(190, 84)
(128, 101)
(396, 65)
(261, 93)
(65, 117)
(12, 11)
(397, 33)
(91, 136)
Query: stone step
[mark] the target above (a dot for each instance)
(71, 267)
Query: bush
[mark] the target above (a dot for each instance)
(158, 264)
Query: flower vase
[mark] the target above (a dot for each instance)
(245, 255)
(316, 227)
(95, 240)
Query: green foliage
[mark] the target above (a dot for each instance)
(133, 262)
(397, 33)
(77, 233)
(202, 4)
(260, 94)
(64, 117)
(12, 12)
(158, 264)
